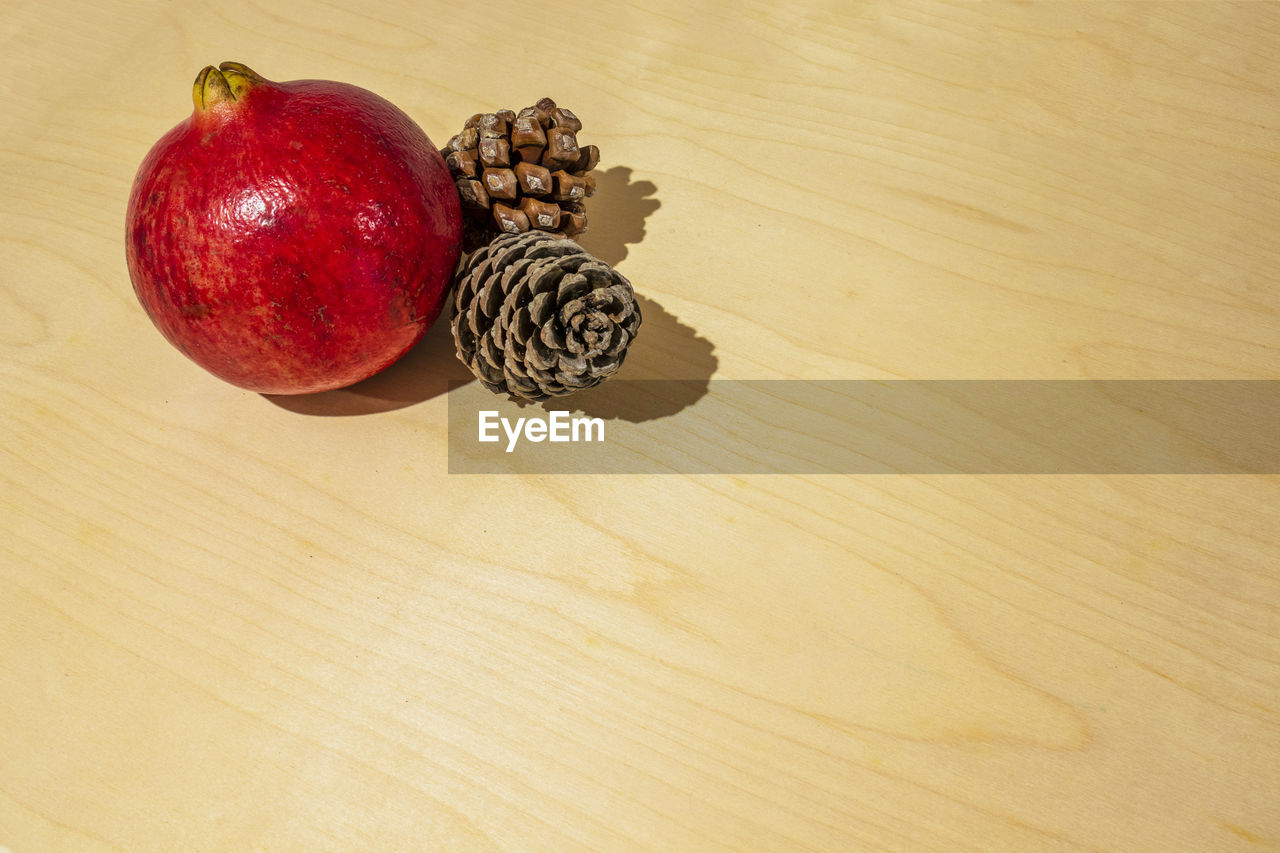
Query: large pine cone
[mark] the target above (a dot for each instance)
(535, 316)
(517, 172)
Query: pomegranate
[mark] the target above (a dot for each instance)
(292, 237)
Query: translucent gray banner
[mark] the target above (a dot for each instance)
(874, 427)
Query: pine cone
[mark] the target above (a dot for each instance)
(517, 172)
(535, 316)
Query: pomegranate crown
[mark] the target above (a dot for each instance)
(225, 84)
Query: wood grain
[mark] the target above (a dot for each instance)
(231, 623)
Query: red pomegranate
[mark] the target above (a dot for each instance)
(292, 237)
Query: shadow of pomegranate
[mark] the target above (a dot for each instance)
(424, 372)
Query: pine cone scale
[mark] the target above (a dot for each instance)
(551, 336)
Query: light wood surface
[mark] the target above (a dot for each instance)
(228, 623)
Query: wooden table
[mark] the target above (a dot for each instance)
(230, 623)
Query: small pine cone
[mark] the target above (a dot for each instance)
(535, 316)
(517, 172)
